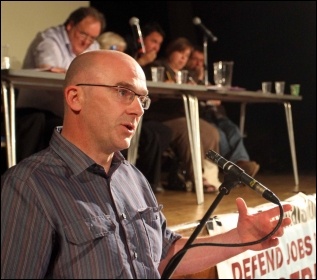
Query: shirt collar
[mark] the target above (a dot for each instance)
(66, 40)
(76, 159)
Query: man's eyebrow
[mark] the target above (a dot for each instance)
(131, 87)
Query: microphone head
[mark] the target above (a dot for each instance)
(196, 20)
(134, 21)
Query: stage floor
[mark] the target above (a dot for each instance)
(181, 207)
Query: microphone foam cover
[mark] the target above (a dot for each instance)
(133, 21)
(196, 20)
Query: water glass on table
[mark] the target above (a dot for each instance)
(279, 87)
(157, 73)
(182, 77)
(223, 73)
(266, 87)
(295, 89)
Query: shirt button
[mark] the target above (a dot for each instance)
(135, 255)
(124, 216)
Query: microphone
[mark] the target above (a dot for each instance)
(231, 168)
(197, 21)
(137, 34)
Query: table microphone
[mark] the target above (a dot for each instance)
(230, 168)
(197, 21)
(137, 34)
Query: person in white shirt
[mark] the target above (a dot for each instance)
(39, 111)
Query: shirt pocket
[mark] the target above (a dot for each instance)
(86, 230)
(151, 218)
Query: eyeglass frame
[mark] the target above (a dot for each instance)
(84, 35)
(146, 102)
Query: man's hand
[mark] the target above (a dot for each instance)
(253, 227)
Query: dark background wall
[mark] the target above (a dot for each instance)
(267, 40)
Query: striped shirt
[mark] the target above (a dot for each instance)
(63, 216)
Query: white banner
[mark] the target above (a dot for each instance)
(293, 258)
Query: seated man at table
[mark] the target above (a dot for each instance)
(155, 136)
(231, 141)
(39, 111)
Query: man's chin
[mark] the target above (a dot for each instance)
(126, 144)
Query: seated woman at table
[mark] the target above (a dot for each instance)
(171, 113)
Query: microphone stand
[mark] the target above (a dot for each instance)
(206, 59)
(230, 181)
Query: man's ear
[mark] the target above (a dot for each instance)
(69, 26)
(73, 97)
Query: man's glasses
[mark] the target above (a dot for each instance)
(84, 36)
(125, 95)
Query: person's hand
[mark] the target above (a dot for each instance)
(147, 58)
(57, 70)
(252, 227)
(200, 73)
(46, 67)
